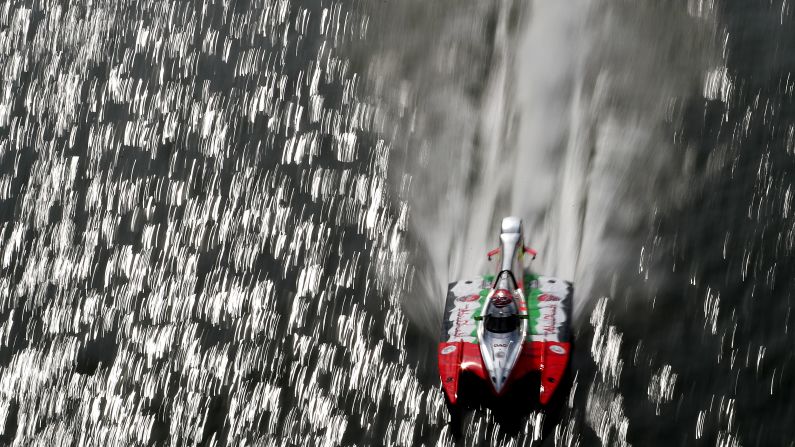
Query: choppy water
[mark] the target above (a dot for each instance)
(230, 223)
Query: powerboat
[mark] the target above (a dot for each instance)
(504, 327)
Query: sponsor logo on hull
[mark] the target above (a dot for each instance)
(557, 349)
(448, 350)
(463, 332)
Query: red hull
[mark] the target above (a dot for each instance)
(548, 358)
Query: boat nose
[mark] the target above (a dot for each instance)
(499, 379)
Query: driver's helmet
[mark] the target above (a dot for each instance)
(501, 298)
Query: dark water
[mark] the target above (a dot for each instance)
(230, 223)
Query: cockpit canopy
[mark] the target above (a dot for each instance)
(501, 298)
(502, 312)
(501, 324)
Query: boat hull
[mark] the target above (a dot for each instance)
(545, 350)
